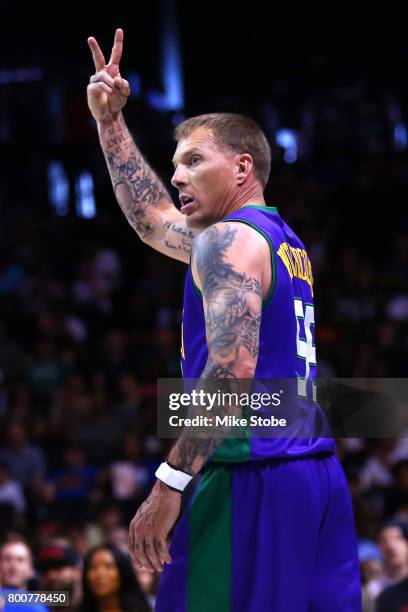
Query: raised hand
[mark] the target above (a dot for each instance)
(107, 91)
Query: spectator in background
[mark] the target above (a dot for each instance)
(131, 475)
(25, 461)
(109, 582)
(11, 494)
(73, 483)
(107, 265)
(16, 567)
(377, 471)
(398, 496)
(128, 408)
(371, 568)
(394, 598)
(99, 431)
(46, 371)
(149, 584)
(119, 538)
(72, 406)
(59, 569)
(106, 519)
(393, 543)
(16, 572)
(114, 358)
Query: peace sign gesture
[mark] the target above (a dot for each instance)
(107, 92)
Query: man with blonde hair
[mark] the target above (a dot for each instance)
(270, 525)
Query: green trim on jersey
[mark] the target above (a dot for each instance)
(271, 209)
(196, 289)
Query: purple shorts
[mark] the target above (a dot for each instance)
(265, 536)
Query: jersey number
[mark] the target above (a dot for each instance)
(305, 347)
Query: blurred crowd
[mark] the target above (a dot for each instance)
(102, 579)
(90, 318)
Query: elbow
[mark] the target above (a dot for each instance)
(244, 371)
(245, 365)
(240, 369)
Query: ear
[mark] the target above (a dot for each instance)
(244, 167)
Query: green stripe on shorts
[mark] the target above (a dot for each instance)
(209, 571)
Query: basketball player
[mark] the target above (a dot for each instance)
(270, 526)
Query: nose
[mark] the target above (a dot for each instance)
(178, 179)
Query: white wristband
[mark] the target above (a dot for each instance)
(173, 478)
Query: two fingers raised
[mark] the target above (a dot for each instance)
(98, 57)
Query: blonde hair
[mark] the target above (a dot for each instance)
(235, 133)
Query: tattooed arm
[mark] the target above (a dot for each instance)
(231, 266)
(230, 262)
(140, 193)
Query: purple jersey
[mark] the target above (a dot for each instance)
(286, 343)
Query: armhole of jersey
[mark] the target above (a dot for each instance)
(266, 301)
(196, 289)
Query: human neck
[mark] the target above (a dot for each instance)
(110, 603)
(253, 195)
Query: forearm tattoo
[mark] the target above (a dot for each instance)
(179, 237)
(233, 307)
(135, 184)
(141, 194)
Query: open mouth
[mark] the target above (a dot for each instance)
(186, 202)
